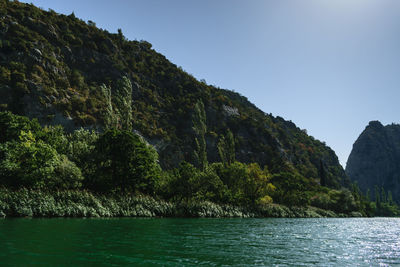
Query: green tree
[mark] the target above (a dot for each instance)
(209, 186)
(121, 116)
(390, 198)
(123, 99)
(200, 129)
(80, 149)
(66, 175)
(291, 188)
(346, 202)
(55, 137)
(377, 197)
(11, 126)
(230, 144)
(383, 195)
(183, 184)
(368, 195)
(322, 173)
(257, 185)
(222, 150)
(123, 160)
(110, 119)
(33, 163)
(244, 184)
(121, 37)
(355, 190)
(226, 148)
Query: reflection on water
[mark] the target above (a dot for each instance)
(193, 242)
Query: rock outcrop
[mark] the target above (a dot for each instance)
(375, 159)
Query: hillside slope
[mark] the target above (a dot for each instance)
(52, 67)
(374, 160)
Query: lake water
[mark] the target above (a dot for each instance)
(194, 242)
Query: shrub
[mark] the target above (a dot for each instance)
(35, 164)
(124, 160)
(11, 126)
(66, 175)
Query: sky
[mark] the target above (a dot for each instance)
(328, 66)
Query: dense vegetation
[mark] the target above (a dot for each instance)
(117, 162)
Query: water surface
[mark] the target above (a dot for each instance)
(194, 242)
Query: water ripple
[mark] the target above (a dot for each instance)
(200, 242)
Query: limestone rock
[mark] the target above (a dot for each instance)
(375, 159)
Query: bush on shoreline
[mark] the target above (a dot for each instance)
(80, 203)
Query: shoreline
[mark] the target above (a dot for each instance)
(85, 204)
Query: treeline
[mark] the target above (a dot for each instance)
(49, 159)
(383, 205)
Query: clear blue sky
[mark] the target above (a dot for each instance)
(330, 66)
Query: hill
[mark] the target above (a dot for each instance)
(54, 66)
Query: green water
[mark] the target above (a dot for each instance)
(194, 242)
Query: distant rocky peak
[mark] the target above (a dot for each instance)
(375, 125)
(375, 159)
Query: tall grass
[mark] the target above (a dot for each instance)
(81, 203)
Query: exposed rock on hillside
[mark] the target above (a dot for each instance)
(375, 159)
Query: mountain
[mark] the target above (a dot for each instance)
(53, 67)
(375, 159)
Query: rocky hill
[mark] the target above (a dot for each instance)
(52, 67)
(375, 159)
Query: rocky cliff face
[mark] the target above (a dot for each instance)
(52, 67)
(375, 159)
